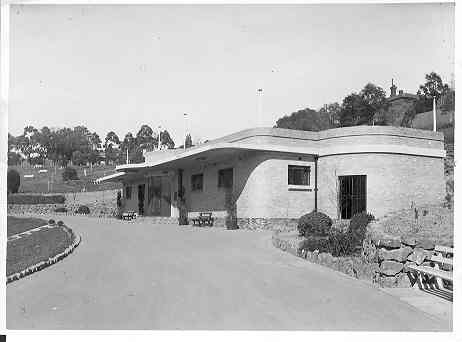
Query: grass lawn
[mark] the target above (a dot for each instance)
(435, 223)
(39, 183)
(32, 249)
(16, 225)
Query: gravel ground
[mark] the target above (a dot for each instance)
(144, 276)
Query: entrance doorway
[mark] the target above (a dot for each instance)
(352, 195)
(141, 199)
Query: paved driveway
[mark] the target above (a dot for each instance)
(144, 276)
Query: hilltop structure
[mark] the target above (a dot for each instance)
(274, 176)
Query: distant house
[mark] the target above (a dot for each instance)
(276, 175)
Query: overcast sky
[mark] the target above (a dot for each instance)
(118, 67)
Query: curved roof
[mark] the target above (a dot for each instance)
(345, 140)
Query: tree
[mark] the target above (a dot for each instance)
(14, 159)
(360, 109)
(188, 141)
(144, 138)
(13, 180)
(332, 111)
(306, 119)
(433, 87)
(166, 140)
(95, 141)
(111, 140)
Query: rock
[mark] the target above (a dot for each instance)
(408, 263)
(425, 244)
(325, 259)
(400, 254)
(387, 281)
(390, 268)
(308, 255)
(389, 243)
(403, 281)
(408, 241)
(419, 255)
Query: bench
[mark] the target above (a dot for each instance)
(205, 219)
(439, 259)
(129, 215)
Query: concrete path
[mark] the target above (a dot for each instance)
(144, 276)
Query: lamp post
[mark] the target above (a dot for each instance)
(185, 116)
(259, 106)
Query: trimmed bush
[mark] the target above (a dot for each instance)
(312, 243)
(61, 210)
(314, 224)
(358, 226)
(60, 223)
(13, 181)
(70, 174)
(83, 209)
(35, 199)
(51, 222)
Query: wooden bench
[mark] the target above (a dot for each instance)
(205, 219)
(129, 215)
(439, 259)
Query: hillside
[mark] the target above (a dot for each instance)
(40, 181)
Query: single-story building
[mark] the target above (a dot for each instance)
(272, 176)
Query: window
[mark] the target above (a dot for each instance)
(128, 192)
(299, 175)
(197, 182)
(225, 178)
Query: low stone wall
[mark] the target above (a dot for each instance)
(383, 261)
(97, 210)
(354, 266)
(275, 224)
(394, 255)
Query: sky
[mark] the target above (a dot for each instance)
(117, 67)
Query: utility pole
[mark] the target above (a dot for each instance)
(185, 116)
(127, 154)
(259, 106)
(434, 114)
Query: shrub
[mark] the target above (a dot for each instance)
(35, 199)
(60, 223)
(13, 181)
(314, 224)
(61, 210)
(312, 243)
(358, 226)
(83, 209)
(119, 199)
(70, 174)
(341, 244)
(51, 222)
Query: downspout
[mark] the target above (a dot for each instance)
(316, 182)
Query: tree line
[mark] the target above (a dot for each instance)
(367, 107)
(80, 146)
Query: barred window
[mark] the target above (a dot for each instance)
(225, 178)
(128, 192)
(197, 182)
(299, 175)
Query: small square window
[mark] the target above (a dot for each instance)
(225, 178)
(197, 182)
(128, 192)
(299, 175)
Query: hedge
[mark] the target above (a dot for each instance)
(35, 199)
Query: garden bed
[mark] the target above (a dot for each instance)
(37, 250)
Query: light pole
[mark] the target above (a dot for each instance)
(185, 116)
(259, 106)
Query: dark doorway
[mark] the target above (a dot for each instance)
(141, 199)
(352, 195)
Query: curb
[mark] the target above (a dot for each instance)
(44, 264)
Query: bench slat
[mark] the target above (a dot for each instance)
(443, 260)
(444, 249)
(431, 271)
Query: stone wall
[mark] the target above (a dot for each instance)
(394, 255)
(382, 261)
(354, 266)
